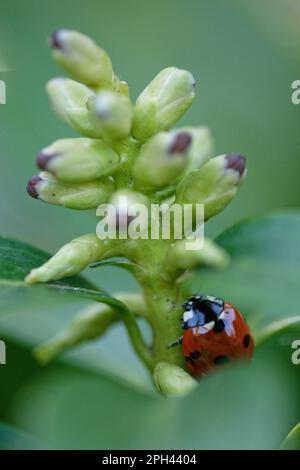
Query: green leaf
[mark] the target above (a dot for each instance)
(265, 333)
(14, 439)
(18, 258)
(263, 277)
(292, 441)
(229, 410)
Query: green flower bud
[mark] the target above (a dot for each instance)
(76, 196)
(163, 102)
(88, 324)
(68, 99)
(201, 148)
(111, 114)
(132, 197)
(80, 56)
(70, 259)
(121, 87)
(214, 185)
(210, 255)
(162, 159)
(130, 215)
(78, 160)
(172, 380)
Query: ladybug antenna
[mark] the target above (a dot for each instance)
(175, 343)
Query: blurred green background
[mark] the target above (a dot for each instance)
(244, 56)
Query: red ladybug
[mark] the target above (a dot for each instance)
(215, 333)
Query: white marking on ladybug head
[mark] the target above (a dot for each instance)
(202, 330)
(210, 325)
(188, 314)
(212, 298)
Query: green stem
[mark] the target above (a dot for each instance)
(127, 150)
(163, 298)
(136, 338)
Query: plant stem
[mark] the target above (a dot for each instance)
(136, 338)
(163, 298)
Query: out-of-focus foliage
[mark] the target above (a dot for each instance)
(262, 278)
(236, 402)
(292, 441)
(13, 439)
(279, 21)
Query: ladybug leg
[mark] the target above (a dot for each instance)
(175, 343)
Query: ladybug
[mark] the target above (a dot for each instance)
(215, 333)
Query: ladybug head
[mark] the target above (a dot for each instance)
(189, 304)
(200, 310)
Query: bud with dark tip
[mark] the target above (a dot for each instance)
(163, 102)
(162, 159)
(80, 56)
(129, 215)
(78, 160)
(32, 185)
(180, 143)
(236, 162)
(111, 114)
(202, 146)
(68, 99)
(214, 185)
(76, 196)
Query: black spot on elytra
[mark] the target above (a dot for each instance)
(195, 354)
(221, 360)
(190, 360)
(246, 340)
(219, 326)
